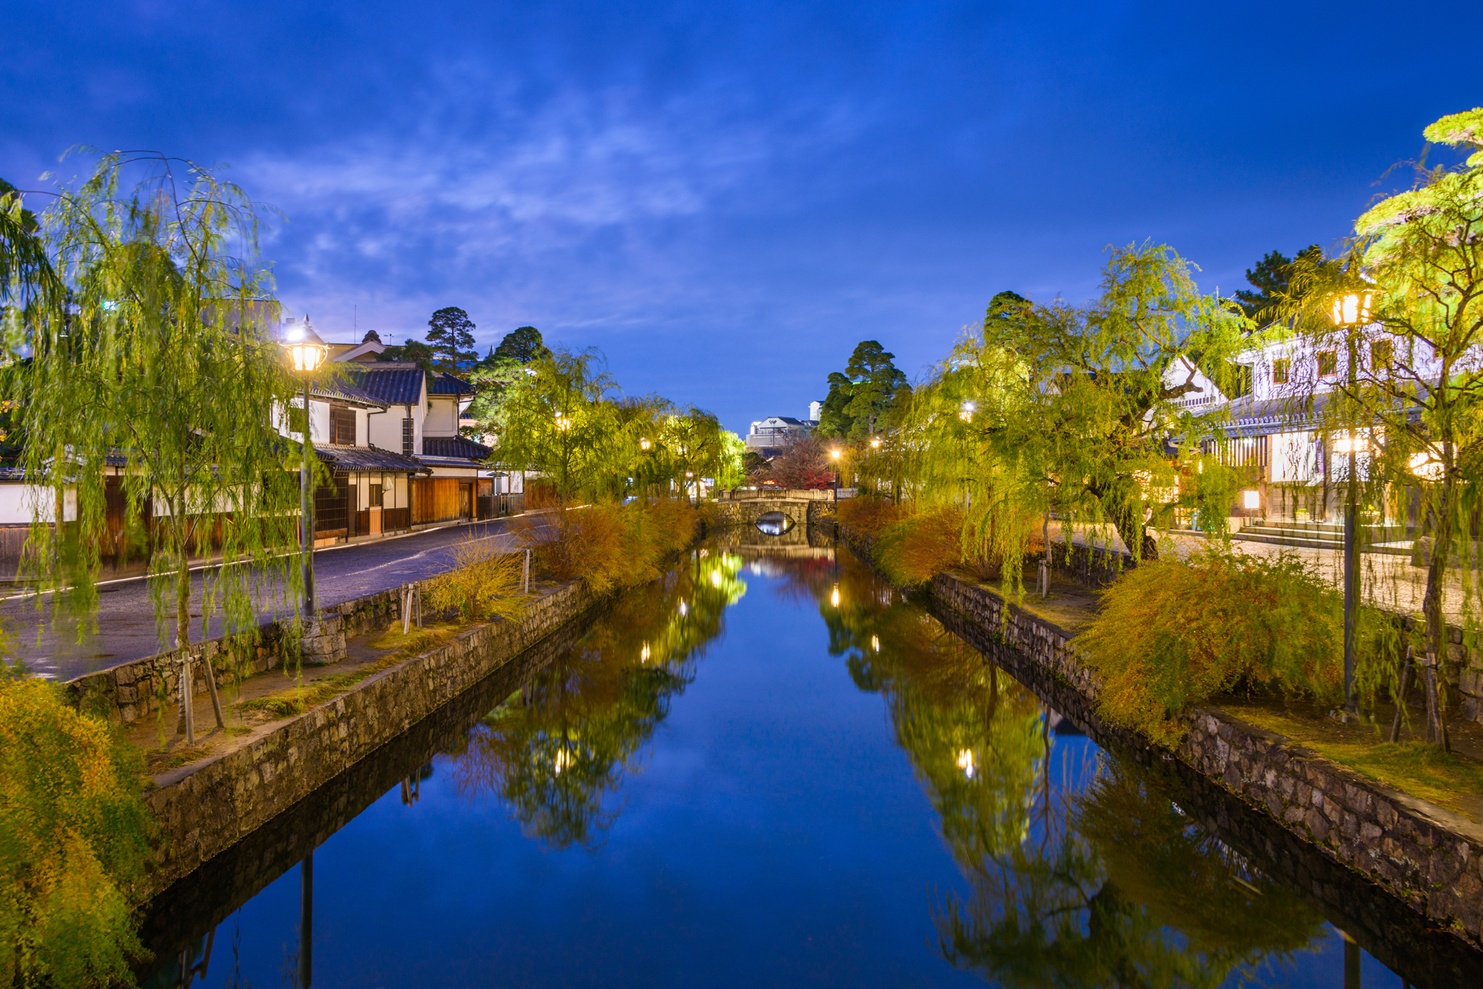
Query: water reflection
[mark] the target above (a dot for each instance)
(561, 744)
(1083, 870)
(774, 806)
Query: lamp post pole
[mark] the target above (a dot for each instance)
(306, 512)
(1351, 311)
(1351, 556)
(307, 351)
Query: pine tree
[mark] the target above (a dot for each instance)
(451, 335)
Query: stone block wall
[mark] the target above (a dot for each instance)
(205, 811)
(129, 691)
(1428, 858)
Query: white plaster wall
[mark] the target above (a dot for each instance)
(442, 417)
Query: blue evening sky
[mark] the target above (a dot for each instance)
(726, 197)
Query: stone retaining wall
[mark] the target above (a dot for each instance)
(1423, 855)
(177, 915)
(129, 691)
(213, 806)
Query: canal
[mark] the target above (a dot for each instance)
(767, 769)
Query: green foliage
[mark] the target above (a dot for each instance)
(483, 584)
(1419, 254)
(73, 839)
(1170, 635)
(160, 357)
(861, 397)
(522, 345)
(450, 337)
(1272, 281)
(412, 351)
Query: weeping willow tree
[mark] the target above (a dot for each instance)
(157, 369)
(1404, 386)
(553, 416)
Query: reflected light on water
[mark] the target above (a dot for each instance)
(875, 643)
(966, 762)
(644, 653)
(834, 596)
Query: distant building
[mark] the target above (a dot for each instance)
(768, 436)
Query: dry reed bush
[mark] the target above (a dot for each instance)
(919, 547)
(483, 584)
(610, 545)
(867, 516)
(1170, 635)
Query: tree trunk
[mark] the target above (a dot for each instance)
(1436, 620)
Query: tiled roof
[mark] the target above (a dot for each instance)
(391, 382)
(345, 459)
(347, 391)
(444, 383)
(453, 448)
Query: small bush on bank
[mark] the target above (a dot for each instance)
(918, 547)
(868, 516)
(1171, 634)
(73, 839)
(611, 546)
(483, 584)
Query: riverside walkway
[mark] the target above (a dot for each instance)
(126, 628)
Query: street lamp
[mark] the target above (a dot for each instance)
(966, 410)
(307, 352)
(834, 454)
(1350, 311)
(644, 443)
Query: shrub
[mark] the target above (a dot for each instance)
(610, 545)
(1172, 634)
(73, 839)
(484, 583)
(867, 516)
(918, 547)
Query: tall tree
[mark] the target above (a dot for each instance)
(1271, 281)
(450, 334)
(523, 344)
(860, 396)
(1413, 379)
(555, 420)
(159, 361)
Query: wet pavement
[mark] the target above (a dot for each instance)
(125, 624)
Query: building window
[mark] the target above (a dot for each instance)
(376, 496)
(1281, 368)
(1328, 363)
(407, 437)
(1382, 352)
(342, 425)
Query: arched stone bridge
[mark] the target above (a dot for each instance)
(746, 507)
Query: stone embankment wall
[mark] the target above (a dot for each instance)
(1425, 856)
(213, 806)
(129, 691)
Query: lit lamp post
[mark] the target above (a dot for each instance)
(307, 352)
(1351, 311)
(834, 454)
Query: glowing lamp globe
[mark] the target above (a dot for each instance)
(1352, 309)
(305, 348)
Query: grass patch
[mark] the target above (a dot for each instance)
(305, 696)
(1446, 779)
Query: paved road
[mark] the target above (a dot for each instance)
(126, 627)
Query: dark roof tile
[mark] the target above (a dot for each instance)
(453, 448)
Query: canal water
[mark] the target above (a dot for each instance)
(769, 769)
